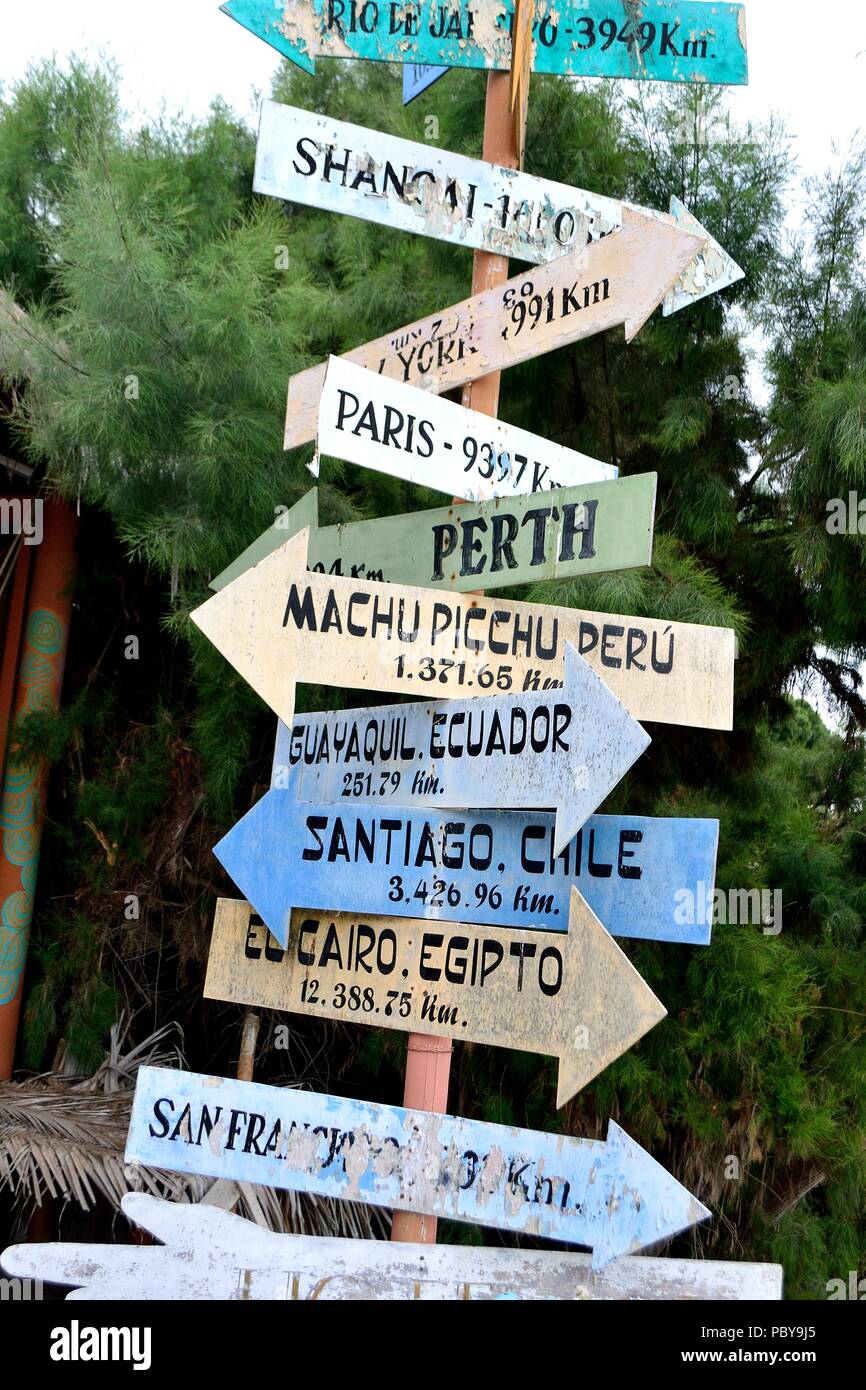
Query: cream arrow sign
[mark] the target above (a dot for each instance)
(572, 995)
(277, 625)
(619, 279)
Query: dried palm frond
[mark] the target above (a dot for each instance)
(64, 1136)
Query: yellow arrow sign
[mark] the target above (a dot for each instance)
(574, 996)
(278, 624)
(619, 279)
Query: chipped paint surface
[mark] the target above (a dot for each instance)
(383, 424)
(566, 748)
(614, 280)
(211, 1254)
(278, 624)
(654, 40)
(495, 868)
(501, 987)
(340, 167)
(609, 1195)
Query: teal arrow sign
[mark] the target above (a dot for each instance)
(655, 40)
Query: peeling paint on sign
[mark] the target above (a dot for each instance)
(609, 1195)
(331, 164)
(654, 40)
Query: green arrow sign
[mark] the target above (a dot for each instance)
(589, 529)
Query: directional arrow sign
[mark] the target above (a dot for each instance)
(566, 532)
(212, 1254)
(575, 997)
(277, 624)
(417, 77)
(660, 40)
(330, 164)
(392, 428)
(566, 748)
(620, 279)
(496, 868)
(611, 1196)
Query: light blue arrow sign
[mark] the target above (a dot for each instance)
(565, 748)
(417, 77)
(608, 1195)
(657, 40)
(497, 868)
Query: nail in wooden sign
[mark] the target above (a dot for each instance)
(657, 40)
(574, 996)
(325, 163)
(589, 529)
(277, 624)
(494, 868)
(565, 748)
(392, 428)
(609, 1195)
(618, 280)
(211, 1254)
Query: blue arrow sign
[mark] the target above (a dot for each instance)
(417, 77)
(608, 1195)
(496, 868)
(658, 40)
(566, 748)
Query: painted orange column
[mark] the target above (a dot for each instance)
(22, 809)
(428, 1060)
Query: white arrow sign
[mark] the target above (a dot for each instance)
(382, 424)
(617, 280)
(557, 748)
(330, 164)
(210, 1254)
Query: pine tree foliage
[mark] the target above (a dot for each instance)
(167, 308)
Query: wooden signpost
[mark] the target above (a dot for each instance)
(608, 1195)
(658, 40)
(575, 997)
(392, 900)
(330, 164)
(495, 868)
(618, 280)
(277, 624)
(383, 424)
(557, 535)
(566, 748)
(210, 1254)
